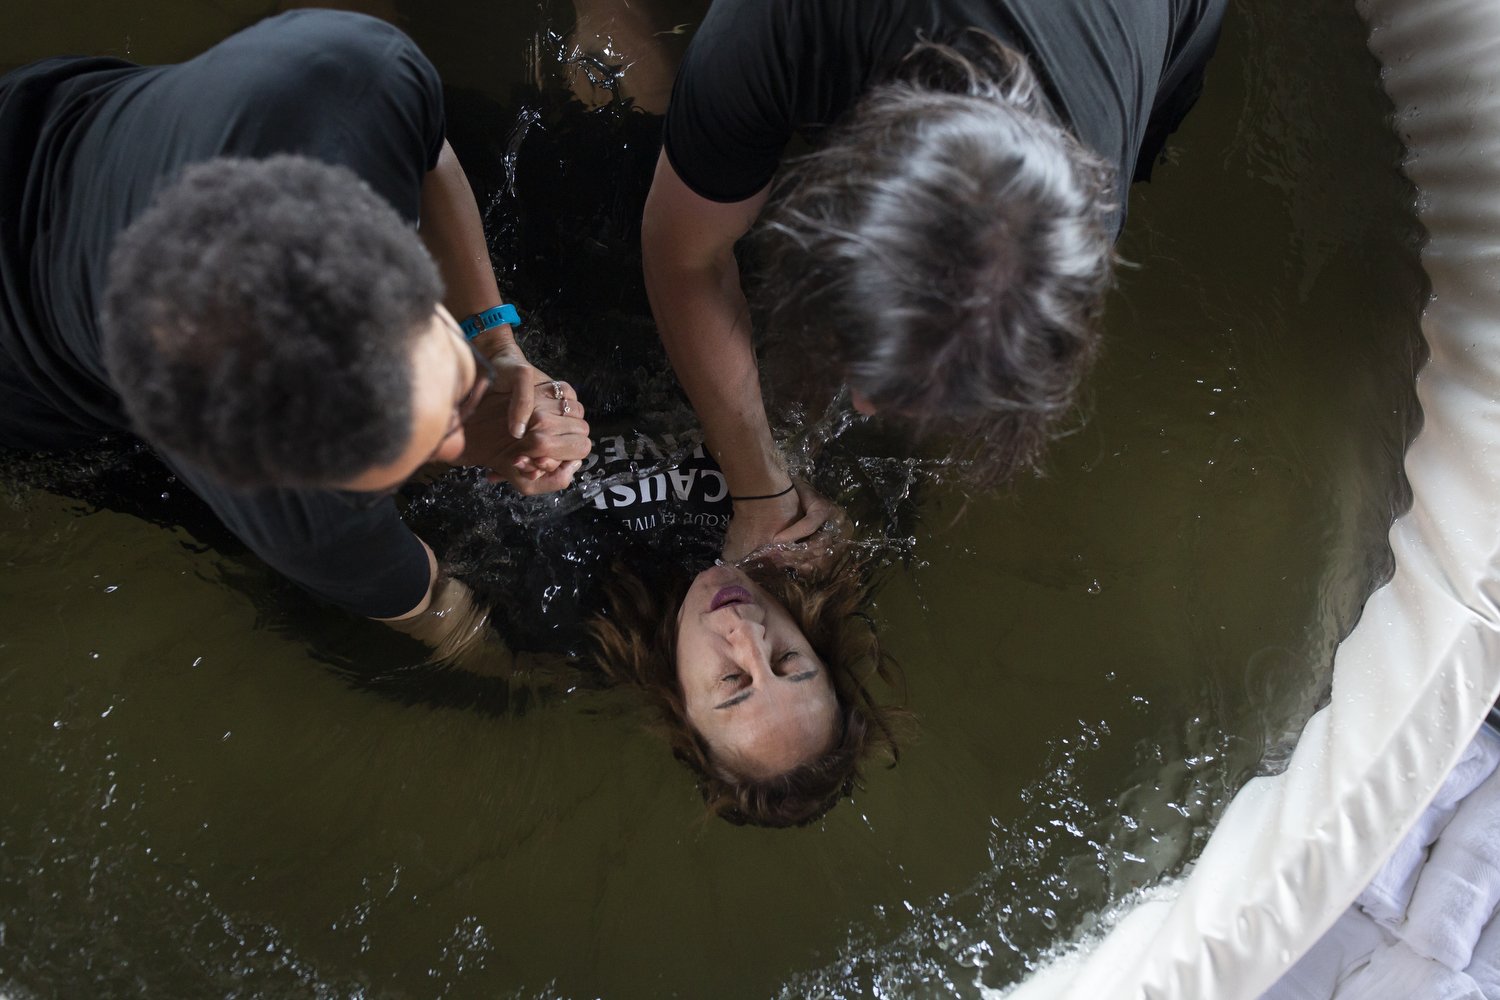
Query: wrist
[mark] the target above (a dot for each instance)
(475, 326)
(751, 470)
(766, 496)
(492, 332)
(502, 350)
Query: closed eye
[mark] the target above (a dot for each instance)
(742, 679)
(789, 661)
(735, 680)
(730, 703)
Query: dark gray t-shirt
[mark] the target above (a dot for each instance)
(759, 72)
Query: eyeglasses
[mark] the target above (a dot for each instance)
(484, 377)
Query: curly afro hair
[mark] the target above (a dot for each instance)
(258, 321)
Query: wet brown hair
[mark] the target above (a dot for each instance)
(635, 643)
(947, 249)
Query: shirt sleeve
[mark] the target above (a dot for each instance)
(731, 114)
(342, 88)
(367, 562)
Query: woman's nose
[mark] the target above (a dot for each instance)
(739, 625)
(745, 633)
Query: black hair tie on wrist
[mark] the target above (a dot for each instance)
(767, 496)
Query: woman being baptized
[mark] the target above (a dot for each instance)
(761, 677)
(760, 674)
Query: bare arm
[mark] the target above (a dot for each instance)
(454, 234)
(449, 621)
(694, 285)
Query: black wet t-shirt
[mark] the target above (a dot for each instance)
(647, 502)
(652, 482)
(84, 145)
(759, 72)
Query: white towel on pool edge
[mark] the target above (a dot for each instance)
(1484, 968)
(1338, 953)
(1363, 956)
(1389, 892)
(1459, 887)
(1395, 972)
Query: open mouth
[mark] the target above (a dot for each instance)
(730, 595)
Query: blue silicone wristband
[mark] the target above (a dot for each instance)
(490, 318)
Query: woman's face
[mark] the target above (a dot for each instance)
(754, 689)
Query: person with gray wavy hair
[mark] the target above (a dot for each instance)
(944, 248)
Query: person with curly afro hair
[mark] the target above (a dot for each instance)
(267, 263)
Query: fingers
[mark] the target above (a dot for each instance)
(563, 398)
(552, 435)
(755, 524)
(810, 523)
(552, 443)
(818, 512)
(531, 469)
(527, 463)
(543, 420)
(536, 482)
(521, 401)
(813, 536)
(559, 479)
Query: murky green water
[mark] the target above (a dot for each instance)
(194, 805)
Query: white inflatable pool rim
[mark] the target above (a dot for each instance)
(1415, 679)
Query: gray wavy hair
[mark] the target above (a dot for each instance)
(948, 248)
